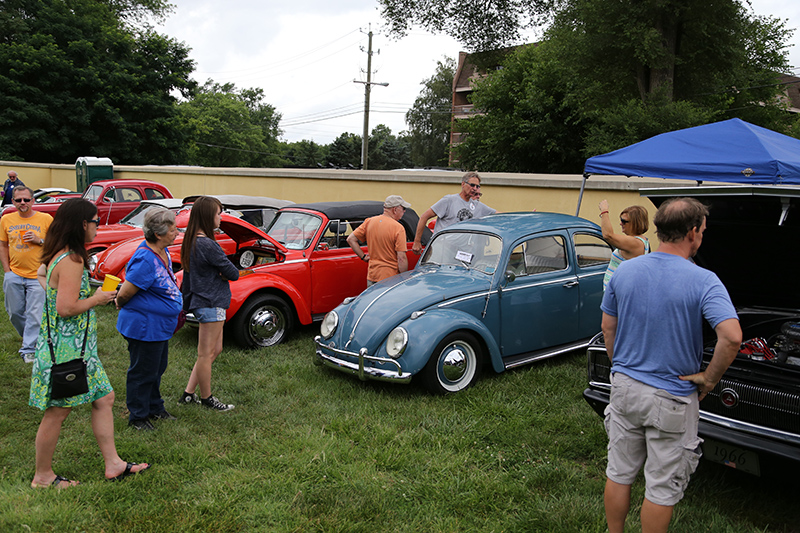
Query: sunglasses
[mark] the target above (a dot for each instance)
(475, 185)
(26, 200)
(95, 220)
(623, 221)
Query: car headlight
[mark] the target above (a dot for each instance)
(396, 342)
(329, 324)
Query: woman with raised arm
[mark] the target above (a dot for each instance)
(631, 242)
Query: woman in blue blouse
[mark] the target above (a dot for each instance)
(149, 302)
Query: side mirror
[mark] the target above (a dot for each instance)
(323, 246)
(510, 276)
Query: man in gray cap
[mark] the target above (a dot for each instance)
(385, 239)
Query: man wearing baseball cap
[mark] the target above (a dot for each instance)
(385, 239)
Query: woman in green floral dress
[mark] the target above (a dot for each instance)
(69, 305)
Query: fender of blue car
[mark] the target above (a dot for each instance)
(426, 332)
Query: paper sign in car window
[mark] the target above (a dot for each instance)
(464, 256)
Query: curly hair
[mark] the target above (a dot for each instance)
(638, 219)
(157, 221)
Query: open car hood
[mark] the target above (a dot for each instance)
(750, 240)
(241, 231)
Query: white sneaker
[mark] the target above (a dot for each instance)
(28, 357)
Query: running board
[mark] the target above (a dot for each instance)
(530, 357)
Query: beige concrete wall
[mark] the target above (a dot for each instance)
(505, 192)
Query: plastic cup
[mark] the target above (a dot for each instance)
(110, 283)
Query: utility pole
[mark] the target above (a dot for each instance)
(367, 89)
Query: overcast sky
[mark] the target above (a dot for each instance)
(305, 55)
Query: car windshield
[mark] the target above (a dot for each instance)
(294, 230)
(93, 193)
(477, 251)
(136, 217)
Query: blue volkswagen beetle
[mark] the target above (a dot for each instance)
(504, 290)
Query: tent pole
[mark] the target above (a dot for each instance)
(580, 196)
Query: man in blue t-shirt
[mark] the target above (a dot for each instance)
(653, 311)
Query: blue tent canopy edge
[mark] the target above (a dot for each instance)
(732, 151)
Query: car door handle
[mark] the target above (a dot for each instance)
(570, 284)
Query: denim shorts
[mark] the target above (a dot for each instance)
(209, 314)
(652, 428)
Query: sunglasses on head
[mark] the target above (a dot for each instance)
(26, 200)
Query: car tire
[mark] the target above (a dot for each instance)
(262, 321)
(454, 365)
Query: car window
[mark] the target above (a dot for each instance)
(259, 217)
(153, 194)
(477, 251)
(294, 230)
(591, 250)
(542, 254)
(127, 195)
(337, 231)
(93, 193)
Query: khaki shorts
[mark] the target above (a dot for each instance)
(651, 427)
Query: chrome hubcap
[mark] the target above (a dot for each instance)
(454, 362)
(267, 325)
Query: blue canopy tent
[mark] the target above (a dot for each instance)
(732, 151)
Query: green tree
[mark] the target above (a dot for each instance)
(231, 127)
(345, 151)
(608, 74)
(429, 118)
(304, 154)
(478, 24)
(386, 151)
(77, 78)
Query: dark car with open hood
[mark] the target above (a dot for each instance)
(754, 411)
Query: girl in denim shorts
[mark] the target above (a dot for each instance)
(207, 294)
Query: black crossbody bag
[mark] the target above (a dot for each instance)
(67, 379)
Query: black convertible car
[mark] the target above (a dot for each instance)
(755, 408)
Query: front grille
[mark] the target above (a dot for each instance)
(599, 365)
(757, 405)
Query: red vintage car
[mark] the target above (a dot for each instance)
(112, 258)
(300, 269)
(130, 226)
(114, 198)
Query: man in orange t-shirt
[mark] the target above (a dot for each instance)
(21, 240)
(386, 241)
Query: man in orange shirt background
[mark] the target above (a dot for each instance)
(385, 239)
(21, 239)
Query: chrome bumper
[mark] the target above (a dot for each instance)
(358, 369)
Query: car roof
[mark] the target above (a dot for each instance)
(241, 201)
(130, 182)
(513, 225)
(339, 210)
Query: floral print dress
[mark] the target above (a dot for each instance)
(68, 333)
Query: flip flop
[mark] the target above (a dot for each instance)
(57, 481)
(128, 472)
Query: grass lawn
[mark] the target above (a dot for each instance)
(310, 449)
